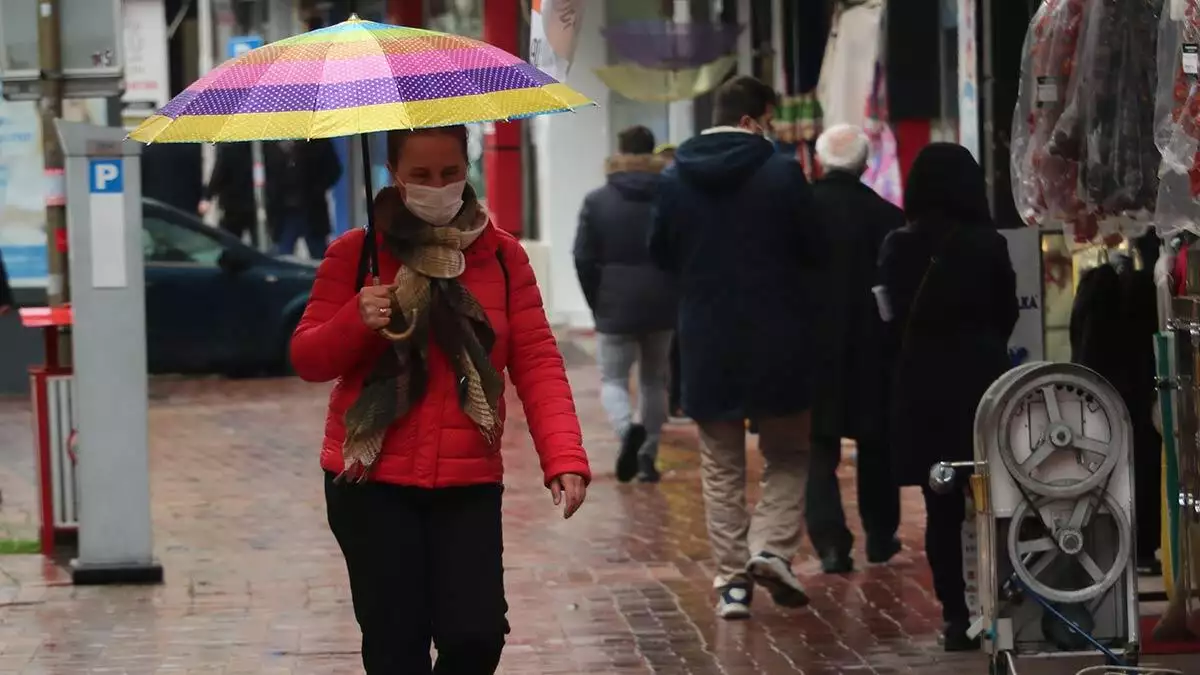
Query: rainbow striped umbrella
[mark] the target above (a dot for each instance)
(357, 77)
(352, 78)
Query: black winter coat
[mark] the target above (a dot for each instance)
(1113, 323)
(853, 373)
(736, 224)
(627, 293)
(956, 342)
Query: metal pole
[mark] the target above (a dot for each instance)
(208, 151)
(50, 108)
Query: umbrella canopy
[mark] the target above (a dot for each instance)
(668, 45)
(357, 77)
(652, 85)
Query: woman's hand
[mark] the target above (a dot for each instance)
(573, 488)
(375, 306)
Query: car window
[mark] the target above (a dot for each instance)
(167, 242)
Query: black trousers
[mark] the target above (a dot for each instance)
(878, 496)
(1147, 476)
(425, 567)
(944, 516)
(239, 223)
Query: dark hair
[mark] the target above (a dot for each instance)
(636, 140)
(946, 186)
(398, 137)
(742, 96)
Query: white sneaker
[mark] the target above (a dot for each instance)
(734, 601)
(775, 574)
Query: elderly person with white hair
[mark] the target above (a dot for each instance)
(852, 380)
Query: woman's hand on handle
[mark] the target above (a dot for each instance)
(375, 306)
(568, 490)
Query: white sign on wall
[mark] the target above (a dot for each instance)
(1028, 337)
(147, 80)
(553, 31)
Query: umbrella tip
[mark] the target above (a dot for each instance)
(353, 17)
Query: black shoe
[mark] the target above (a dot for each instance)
(954, 639)
(881, 552)
(837, 562)
(627, 461)
(647, 471)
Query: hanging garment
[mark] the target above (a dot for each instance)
(848, 69)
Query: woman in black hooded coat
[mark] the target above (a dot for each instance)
(952, 292)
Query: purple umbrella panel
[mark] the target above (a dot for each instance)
(670, 45)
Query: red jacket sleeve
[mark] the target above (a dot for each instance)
(331, 338)
(537, 371)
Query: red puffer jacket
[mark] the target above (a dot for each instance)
(436, 444)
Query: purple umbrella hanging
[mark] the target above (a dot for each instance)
(663, 44)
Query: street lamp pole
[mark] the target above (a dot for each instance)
(50, 108)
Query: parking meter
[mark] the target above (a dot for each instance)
(104, 224)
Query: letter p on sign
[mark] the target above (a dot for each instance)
(105, 176)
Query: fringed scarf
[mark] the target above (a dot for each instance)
(430, 308)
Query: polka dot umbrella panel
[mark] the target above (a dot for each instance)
(357, 77)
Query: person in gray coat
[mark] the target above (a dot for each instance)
(633, 302)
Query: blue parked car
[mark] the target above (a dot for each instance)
(214, 304)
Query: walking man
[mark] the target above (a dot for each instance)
(853, 372)
(633, 302)
(736, 225)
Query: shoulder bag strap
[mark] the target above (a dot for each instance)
(916, 302)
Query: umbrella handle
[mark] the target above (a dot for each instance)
(369, 241)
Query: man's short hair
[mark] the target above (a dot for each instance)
(742, 96)
(843, 147)
(636, 140)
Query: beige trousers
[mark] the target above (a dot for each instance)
(777, 523)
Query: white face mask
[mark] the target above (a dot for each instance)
(435, 205)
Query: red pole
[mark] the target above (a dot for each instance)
(502, 147)
(409, 13)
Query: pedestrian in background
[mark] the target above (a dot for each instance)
(952, 294)
(853, 373)
(231, 186)
(737, 226)
(632, 301)
(299, 174)
(412, 448)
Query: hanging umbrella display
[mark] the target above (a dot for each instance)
(357, 77)
(663, 44)
(663, 61)
(653, 85)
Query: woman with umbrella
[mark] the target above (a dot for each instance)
(416, 318)
(412, 443)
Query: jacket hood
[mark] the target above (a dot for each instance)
(636, 177)
(722, 160)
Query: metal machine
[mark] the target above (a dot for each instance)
(1053, 502)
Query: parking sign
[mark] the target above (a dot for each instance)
(240, 44)
(105, 176)
(106, 185)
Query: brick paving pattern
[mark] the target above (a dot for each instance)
(255, 583)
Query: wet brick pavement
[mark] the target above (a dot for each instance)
(255, 584)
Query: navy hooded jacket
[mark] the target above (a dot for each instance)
(736, 225)
(627, 293)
